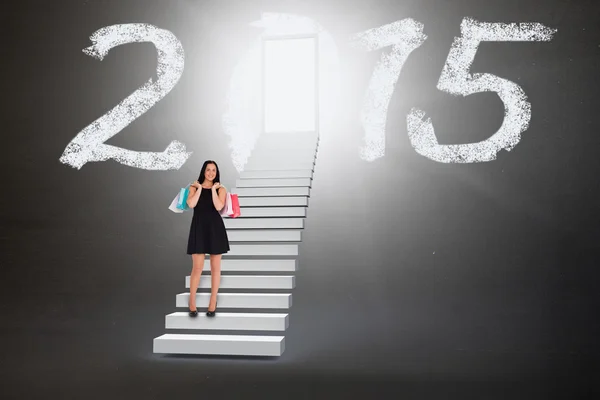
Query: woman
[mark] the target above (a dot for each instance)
(207, 232)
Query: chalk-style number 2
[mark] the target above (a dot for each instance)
(88, 145)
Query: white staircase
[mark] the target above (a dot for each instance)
(257, 273)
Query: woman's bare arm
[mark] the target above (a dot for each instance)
(218, 196)
(193, 197)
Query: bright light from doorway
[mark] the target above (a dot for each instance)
(290, 85)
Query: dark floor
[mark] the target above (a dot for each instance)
(84, 333)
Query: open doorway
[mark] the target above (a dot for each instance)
(290, 84)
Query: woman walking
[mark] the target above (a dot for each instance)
(207, 232)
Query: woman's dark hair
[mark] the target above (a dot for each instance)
(203, 170)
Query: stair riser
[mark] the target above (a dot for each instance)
(227, 321)
(272, 192)
(298, 159)
(275, 149)
(219, 345)
(279, 212)
(239, 300)
(248, 282)
(273, 201)
(278, 166)
(276, 174)
(294, 182)
(264, 223)
(300, 155)
(254, 265)
(264, 236)
(262, 250)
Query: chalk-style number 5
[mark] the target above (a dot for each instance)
(456, 79)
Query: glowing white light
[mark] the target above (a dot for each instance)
(456, 79)
(404, 36)
(88, 145)
(290, 85)
(243, 119)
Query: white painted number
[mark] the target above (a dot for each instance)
(456, 79)
(88, 145)
(404, 36)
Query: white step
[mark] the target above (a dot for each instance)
(228, 321)
(273, 201)
(271, 212)
(302, 173)
(274, 182)
(248, 282)
(284, 155)
(238, 300)
(264, 223)
(292, 153)
(269, 265)
(226, 345)
(282, 167)
(278, 191)
(264, 236)
(262, 250)
(266, 164)
(302, 148)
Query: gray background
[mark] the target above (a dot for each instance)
(415, 276)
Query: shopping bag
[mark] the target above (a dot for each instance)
(227, 209)
(179, 203)
(235, 205)
(173, 206)
(183, 196)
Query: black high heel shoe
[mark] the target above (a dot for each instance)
(193, 313)
(212, 313)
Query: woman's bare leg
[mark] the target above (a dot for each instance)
(197, 266)
(215, 280)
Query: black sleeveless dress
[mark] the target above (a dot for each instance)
(207, 232)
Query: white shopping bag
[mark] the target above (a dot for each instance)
(227, 209)
(173, 206)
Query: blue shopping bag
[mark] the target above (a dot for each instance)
(182, 200)
(179, 203)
